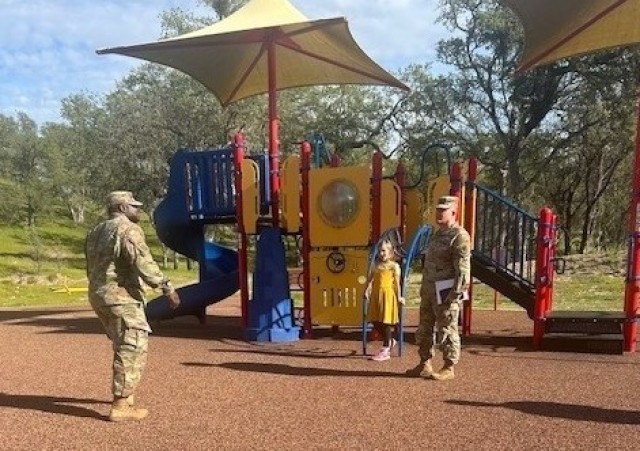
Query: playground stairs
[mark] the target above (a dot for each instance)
(504, 282)
(584, 331)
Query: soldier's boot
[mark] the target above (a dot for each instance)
(445, 374)
(121, 410)
(422, 369)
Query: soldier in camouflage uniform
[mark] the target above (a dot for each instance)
(117, 260)
(448, 256)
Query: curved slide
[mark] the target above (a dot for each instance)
(218, 264)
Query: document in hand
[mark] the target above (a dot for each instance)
(442, 290)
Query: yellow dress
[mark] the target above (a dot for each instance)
(383, 305)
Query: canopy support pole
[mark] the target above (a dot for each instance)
(274, 138)
(632, 283)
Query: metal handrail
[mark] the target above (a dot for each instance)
(505, 235)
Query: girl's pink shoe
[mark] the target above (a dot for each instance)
(382, 355)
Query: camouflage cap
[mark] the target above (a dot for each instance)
(116, 198)
(446, 202)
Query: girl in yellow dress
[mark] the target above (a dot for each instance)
(383, 292)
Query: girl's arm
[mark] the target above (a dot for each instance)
(397, 273)
(367, 287)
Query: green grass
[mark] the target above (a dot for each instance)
(35, 262)
(576, 292)
(571, 292)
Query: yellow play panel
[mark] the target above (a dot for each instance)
(337, 286)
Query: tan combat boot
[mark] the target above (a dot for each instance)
(422, 369)
(121, 410)
(445, 374)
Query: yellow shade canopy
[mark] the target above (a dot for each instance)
(230, 57)
(556, 29)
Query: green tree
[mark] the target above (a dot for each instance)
(27, 162)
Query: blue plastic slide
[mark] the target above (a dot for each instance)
(180, 231)
(195, 298)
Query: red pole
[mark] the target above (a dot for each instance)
(553, 252)
(632, 283)
(456, 181)
(274, 137)
(543, 272)
(470, 226)
(376, 193)
(305, 167)
(238, 157)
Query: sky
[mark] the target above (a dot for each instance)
(47, 47)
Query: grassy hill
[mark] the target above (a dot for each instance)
(44, 266)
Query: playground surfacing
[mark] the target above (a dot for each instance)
(208, 389)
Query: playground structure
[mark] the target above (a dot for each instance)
(337, 211)
(334, 212)
(338, 214)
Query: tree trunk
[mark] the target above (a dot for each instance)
(77, 214)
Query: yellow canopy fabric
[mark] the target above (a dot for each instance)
(556, 29)
(230, 56)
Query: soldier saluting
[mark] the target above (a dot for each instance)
(118, 259)
(447, 257)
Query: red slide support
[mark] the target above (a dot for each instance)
(544, 273)
(632, 283)
(470, 226)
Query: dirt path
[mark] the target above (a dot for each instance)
(208, 389)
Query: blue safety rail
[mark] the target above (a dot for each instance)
(416, 248)
(321, 155)
(209, 182)
(505, 235)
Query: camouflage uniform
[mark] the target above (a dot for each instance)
(447, 257)
(117, 259)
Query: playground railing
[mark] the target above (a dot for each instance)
(505, 235)
(209, 180)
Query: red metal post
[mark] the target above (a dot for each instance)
(544, 271)
(456, 181)
(632, 283)
(470, 226)
(305, 167)
(401, 181)
(274, 137)
(553, 253)
(238, 158)
(376, 193)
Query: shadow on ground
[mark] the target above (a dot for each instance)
(564, 411)
(25, 314)
(288, 370)
(51, 404)
(55, 322)
(278, 349)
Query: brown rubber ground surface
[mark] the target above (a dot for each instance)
(208, 389)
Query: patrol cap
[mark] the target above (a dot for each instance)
(116, 198)
(446, 202)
